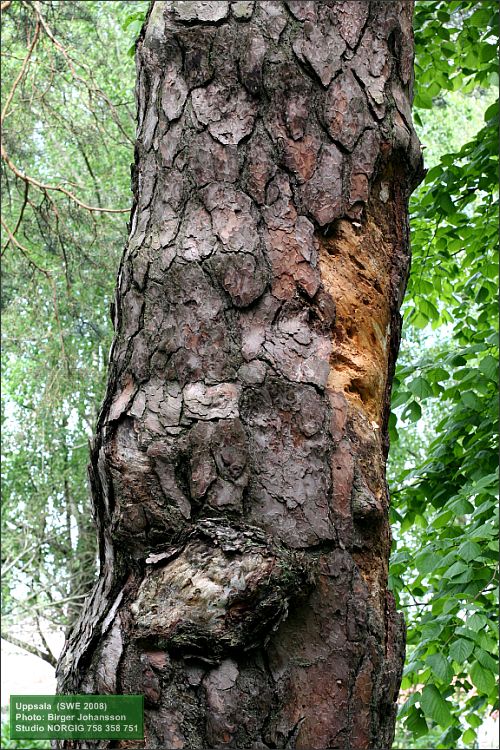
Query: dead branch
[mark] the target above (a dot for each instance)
(48, 657)
(57, 188)
(21, 73)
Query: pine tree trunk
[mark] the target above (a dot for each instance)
(238, 470)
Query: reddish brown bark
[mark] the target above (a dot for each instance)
(238, 469)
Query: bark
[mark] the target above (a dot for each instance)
(238, 469)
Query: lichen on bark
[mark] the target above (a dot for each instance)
(238, 468)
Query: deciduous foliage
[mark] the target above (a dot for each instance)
(67, 126)
(445, 567)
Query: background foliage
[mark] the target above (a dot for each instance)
(67, 141)
(444, 454)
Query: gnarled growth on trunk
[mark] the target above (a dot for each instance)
(238, 469)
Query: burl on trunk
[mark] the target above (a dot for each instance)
(238, 469)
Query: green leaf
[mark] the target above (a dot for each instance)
(470, 400)
(440, 666)
(426, 562)
(461, 649)
(431, 630)
(413, 412)
(481, 17)
(442, 519)
(458, 360)
(446, 203)
(416, 723)
(492, 111)
(486, 481)
(435, 706)
(138, 16)
(469, 551)
(486, 661)
(450, 604)
(420, 387)
(467, 633)
(135, 26)
(456, 569)
(469, 738)
(476, 622)
(462, 507)
(474, 720)
(482, 678)
(400, 398)
(423, 100)
(428, 309)
(409, 702)
(489, 367)
(393, 432)
(486, 642)
(438, 374)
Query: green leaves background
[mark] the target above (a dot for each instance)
(71, 122)
(443, 459)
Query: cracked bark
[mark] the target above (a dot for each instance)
(238, 468)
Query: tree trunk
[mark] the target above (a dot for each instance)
(238, 470)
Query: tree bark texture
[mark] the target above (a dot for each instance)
(238, 470)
